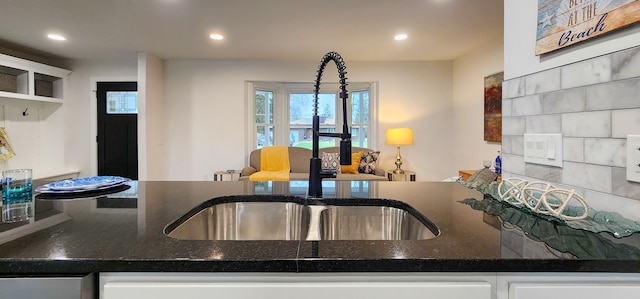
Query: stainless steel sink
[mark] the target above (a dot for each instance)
(244, 221)
(260, 217)
(372, 223)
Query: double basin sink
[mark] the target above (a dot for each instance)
(268, 217)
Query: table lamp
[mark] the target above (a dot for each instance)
(398, 137)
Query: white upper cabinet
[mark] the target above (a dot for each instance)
(22, 79)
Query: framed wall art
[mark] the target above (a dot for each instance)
(493, 107)
(562, 23)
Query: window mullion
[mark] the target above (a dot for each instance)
(281, 117)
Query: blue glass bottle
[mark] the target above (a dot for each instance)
(498, 164)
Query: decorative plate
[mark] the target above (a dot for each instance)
(82, 184)
(77, 195)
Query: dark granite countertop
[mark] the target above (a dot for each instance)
(123, 232)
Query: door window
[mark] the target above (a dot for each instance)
(122, 102)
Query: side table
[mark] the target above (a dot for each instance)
(407, 176)
(233, 175)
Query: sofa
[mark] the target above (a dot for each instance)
(299, 160)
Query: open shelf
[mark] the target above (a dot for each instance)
(24, 80)
(14, 80)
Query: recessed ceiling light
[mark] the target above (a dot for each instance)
(216, 36)
(56, 37)
(400, 37)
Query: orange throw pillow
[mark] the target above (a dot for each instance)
(355, 162)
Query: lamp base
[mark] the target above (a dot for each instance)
(398, 171)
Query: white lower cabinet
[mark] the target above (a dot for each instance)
(277, 286)
(533, 285)
(568, 286)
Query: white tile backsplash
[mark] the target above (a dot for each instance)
(513, 164)
(513, 126)
(506, 144)
(625, 64)
(616, 95)
(573, 149)
(506, 107)
(563, 101)
(513, 88)
(513, 145)
(625, 122)
(605, 151)
(592, 71)
(529, 105)
(588, 176)
(550, 123)
(517, 145)
(543, 172)
(621, 186)
(587, 124)
(542, 82)
(595, 104)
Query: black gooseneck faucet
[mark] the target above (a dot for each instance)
(315, 170)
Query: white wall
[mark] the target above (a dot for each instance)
(206, 111)
(416, 95)
(80, 108)
(151, 118)
(469, 147)
(520, 21)
(33, 137)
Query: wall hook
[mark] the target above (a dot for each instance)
(25, 113)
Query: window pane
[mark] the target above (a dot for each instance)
(301, 117)
(122, 102)
(264, 107)
(301, 108)
(265, 136)
(360, 107)
(359, 136)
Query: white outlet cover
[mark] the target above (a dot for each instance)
(633, 158)
(544, 149)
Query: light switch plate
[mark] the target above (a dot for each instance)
(545, 149)
(633, 158)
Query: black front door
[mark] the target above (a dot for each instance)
(118, 129)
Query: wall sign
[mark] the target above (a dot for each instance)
(562, 23)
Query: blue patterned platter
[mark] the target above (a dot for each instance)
(83, 184)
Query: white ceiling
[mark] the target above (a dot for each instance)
(253, 29)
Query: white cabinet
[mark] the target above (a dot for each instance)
(568, 286)
(578, 290)
(308, 286)
(532, 285)
(24, 80)
(310, 290)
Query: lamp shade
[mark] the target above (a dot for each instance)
(400, 136)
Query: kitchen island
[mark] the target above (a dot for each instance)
(123, 232)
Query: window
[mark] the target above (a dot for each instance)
(282, 113)
(264, 118)
(122, 102)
